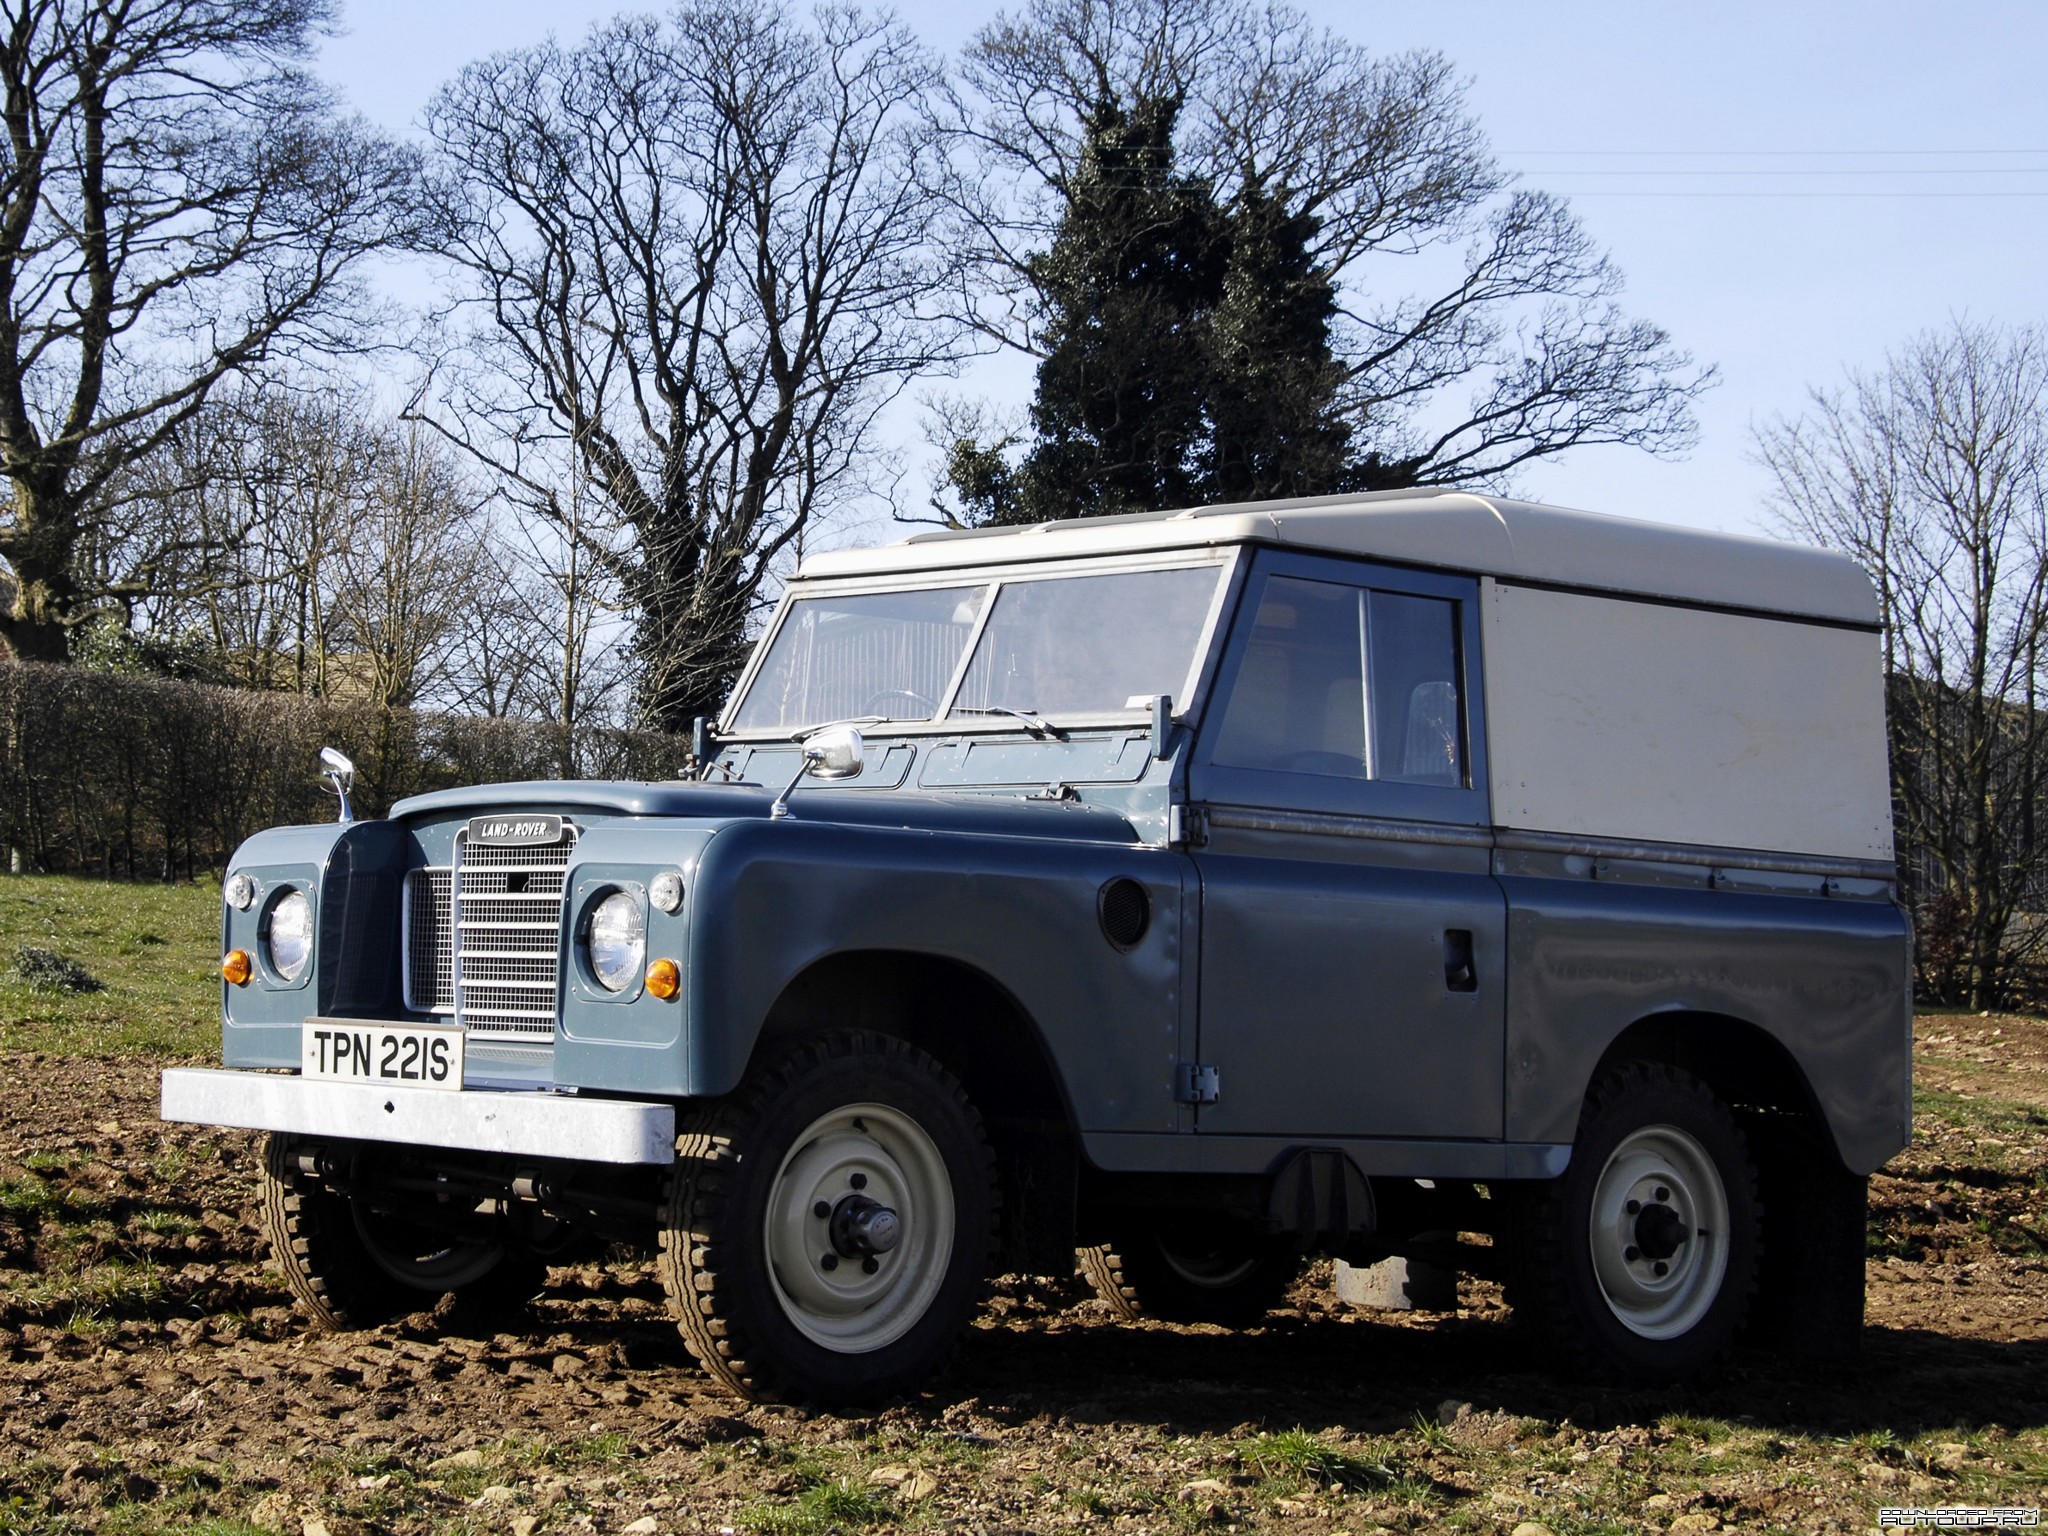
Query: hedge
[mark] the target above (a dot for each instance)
(142, 777)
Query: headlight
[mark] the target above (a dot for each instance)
(289, 943)
(618, 941)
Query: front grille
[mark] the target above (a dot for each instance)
(429, 942)
(484, 937)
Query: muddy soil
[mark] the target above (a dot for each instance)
(154, 1376)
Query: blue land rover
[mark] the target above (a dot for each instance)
(1416, 874)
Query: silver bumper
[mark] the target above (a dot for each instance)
(530, 1124)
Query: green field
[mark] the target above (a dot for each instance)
(154, 949)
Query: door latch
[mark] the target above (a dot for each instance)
(1199, 1083)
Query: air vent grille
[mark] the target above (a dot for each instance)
(1125, 910)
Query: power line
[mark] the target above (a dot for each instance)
(1622, 192)
(1725, 154)
(1959, 170)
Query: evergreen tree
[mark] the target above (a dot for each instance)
(1132, 280)
(1274, 383)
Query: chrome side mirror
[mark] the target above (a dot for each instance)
(835, 752)
(341, 773)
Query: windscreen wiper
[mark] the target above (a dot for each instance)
(1033, 722)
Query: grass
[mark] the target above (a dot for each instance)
(1975, 1115)
(1296, 1457)
(153, 947)
(822, 1508)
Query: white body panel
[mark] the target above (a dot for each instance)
(1452, 530)
(1648, 722)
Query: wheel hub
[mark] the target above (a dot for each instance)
(862, 1228)
(1659, 1232)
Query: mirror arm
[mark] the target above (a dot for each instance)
(780, 809)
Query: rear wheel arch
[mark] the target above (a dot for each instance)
(1748, 1068)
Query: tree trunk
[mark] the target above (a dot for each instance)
(40, 549)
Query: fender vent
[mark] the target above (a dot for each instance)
(1125, 910)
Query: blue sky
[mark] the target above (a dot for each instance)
(1790, 188)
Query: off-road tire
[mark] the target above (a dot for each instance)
(330, 1269)
(1554, 1282)
(714, 1259)
(1141, 1275)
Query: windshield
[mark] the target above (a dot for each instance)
(1090, 645)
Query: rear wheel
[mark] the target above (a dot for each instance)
(1641, 1261)
(354, 1260)
(828, 1227)
(1189, 1271)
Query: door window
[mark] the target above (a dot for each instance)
(1341, 686)
(1323, 662)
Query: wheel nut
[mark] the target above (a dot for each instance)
(1661, 1268)
(829, 1261)
(858, 1181)
(1635, 1207)
(1631, 1253)
(821, 1210)
(1663, 1193)
(870, 1265)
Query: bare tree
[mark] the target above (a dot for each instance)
(1930, 472)
(701, 253)
(179, 204)
(1383, 159)
(242, 513)
(546, 637)
(409, 569)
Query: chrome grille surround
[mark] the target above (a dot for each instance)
(483, 938)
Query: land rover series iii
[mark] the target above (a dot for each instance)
(1415, 874)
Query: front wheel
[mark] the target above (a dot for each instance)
(354, 1260)
(1191, 1271)
(828, 1228)
(1642, 1259)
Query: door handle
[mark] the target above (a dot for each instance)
(1460, 974)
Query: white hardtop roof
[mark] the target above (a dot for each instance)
(1449, 529)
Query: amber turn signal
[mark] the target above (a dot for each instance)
(235, 966)
(664, 980)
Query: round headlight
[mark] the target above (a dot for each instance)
(289, 943)
(666, 890)
(240, 892)
(618, 941)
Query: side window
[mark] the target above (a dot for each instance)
(1349, 683)
(1298, 703)
(1412, 654)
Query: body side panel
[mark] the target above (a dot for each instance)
(774, 898)
(1825, 977)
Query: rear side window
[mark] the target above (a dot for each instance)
(1350, 683)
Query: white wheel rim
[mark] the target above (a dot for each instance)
(1206, 1271)
(847, 1301)
(1659, 1232)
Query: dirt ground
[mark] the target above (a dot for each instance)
(154, 1377)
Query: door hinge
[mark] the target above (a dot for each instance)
(1187, 826)
(1199, 1083)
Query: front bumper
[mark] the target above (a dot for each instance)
(530, 1124)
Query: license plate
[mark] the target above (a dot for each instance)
(397, 1055)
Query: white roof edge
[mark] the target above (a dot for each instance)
(1448, 529)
